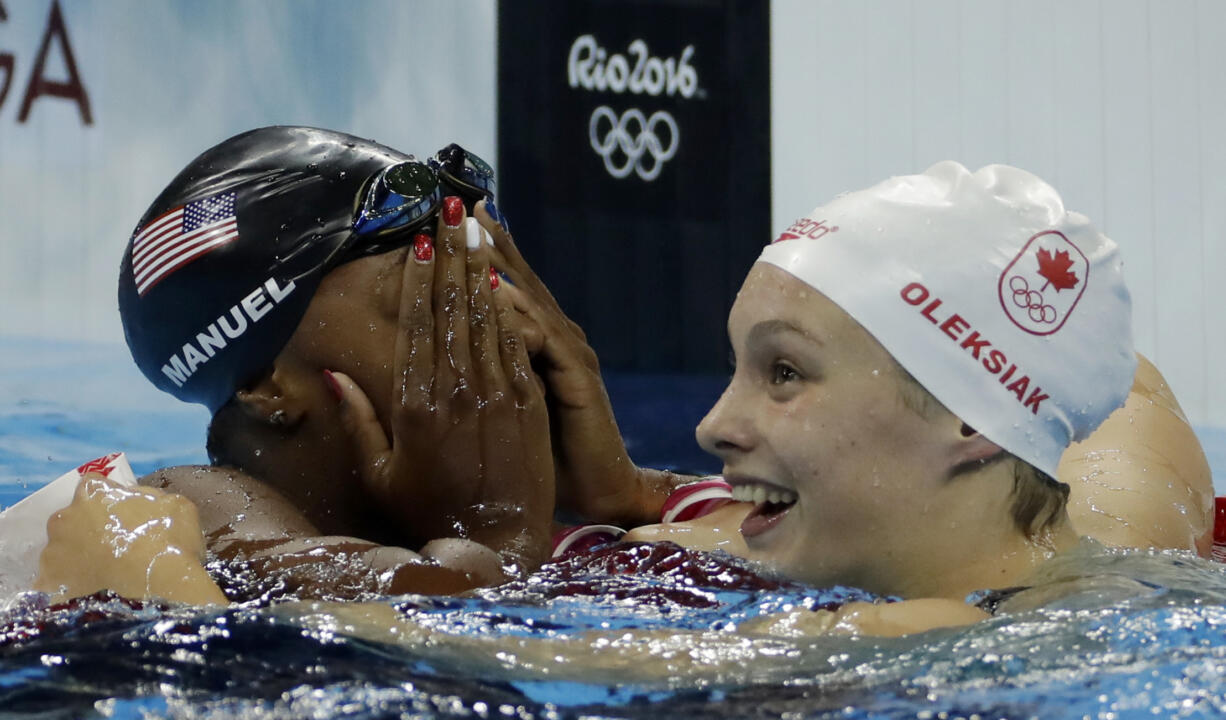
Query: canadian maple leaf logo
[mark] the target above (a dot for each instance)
(1061, 264)
(1055, 270)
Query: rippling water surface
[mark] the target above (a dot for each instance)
(631, 632)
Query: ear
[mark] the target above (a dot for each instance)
(972, 448)
(272, 401)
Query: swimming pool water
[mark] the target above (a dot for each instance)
(576, 640)
(572, 640)
(62, 403)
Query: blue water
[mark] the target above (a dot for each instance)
(64, 403)
(1113, 650)
(547, 648)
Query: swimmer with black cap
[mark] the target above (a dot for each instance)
(331, 301)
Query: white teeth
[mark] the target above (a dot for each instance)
(759, 494)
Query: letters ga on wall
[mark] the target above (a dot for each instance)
(634, 166)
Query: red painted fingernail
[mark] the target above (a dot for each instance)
(423, 248)
(453, 211)
(494, 279)
(333, 385)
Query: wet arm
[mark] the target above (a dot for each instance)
(263, 544)
(875, 619)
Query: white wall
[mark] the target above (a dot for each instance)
(1120, 104)
(166, 80)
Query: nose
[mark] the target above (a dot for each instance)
(726, 428)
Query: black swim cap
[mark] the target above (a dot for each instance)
(221, 268)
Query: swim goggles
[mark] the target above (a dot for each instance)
(404, 196)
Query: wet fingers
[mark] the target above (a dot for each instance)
(509, 259)
(414, 356)
(362, 426)
(483, 321)
(453, 356)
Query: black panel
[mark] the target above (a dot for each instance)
(647, 265)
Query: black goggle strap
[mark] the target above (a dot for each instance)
(464, 170)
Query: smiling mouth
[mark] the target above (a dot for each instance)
(771, 503)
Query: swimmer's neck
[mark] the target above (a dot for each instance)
(1001, 559)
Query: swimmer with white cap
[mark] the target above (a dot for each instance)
(912, 362)
(1139, 480)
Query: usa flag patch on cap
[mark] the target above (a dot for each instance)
(181, 236)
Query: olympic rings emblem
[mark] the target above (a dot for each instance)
(1032, 300)
(637, 137)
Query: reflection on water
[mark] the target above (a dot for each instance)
(580, 638)
(634, 632)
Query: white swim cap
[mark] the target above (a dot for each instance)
(1010, 310)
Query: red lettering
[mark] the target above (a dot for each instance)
(6, 62)
(951, 326)
(915, 294)
(38, 85)
(1035, 398)
(974, 343)
(994, 361)
(821, 226)
(807, 227)
(908, 294)
(927, 312)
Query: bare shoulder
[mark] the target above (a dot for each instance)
(1141, 479)
(907, 616)
(232, 503)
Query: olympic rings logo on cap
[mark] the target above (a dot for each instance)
(635, 135)
(1032, 300)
